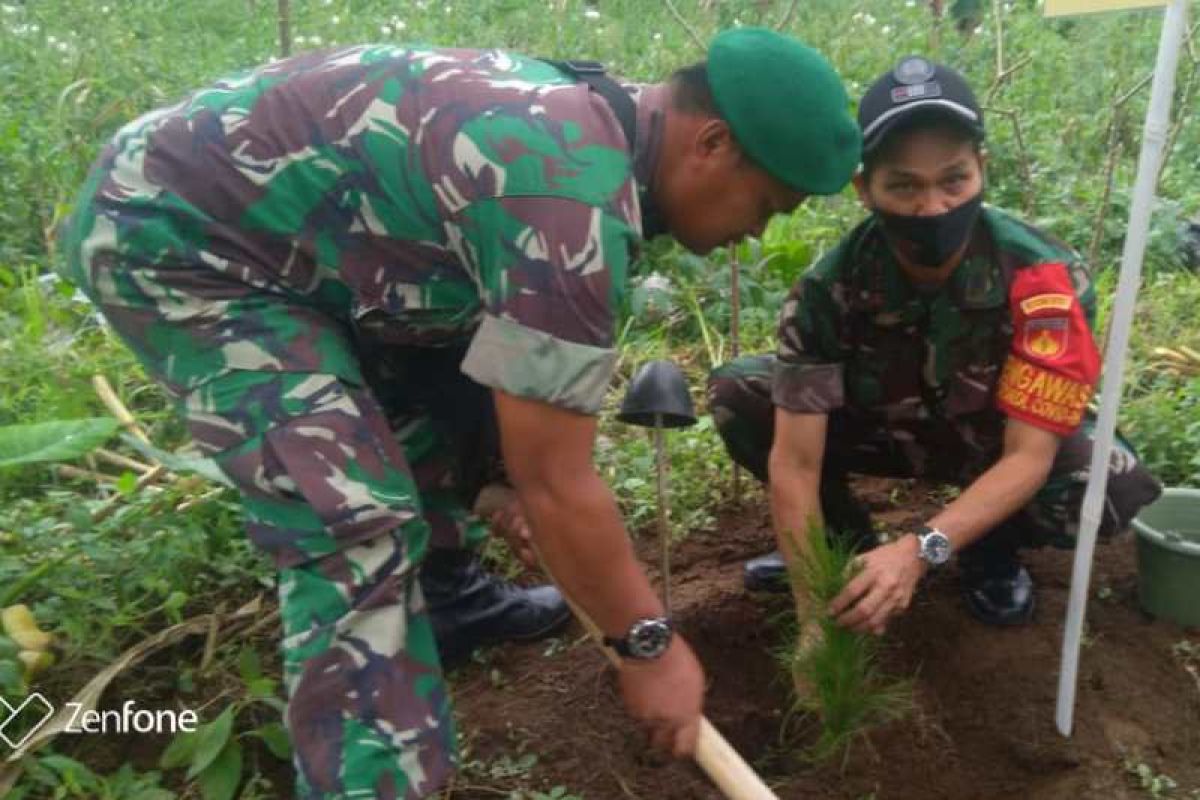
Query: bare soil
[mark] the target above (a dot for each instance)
(984, 720)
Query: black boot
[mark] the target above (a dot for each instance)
(847, 524)
(470, 608)
(997, 589)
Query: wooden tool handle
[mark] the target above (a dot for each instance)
(724, 767)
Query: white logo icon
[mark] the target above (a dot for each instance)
(9, 715)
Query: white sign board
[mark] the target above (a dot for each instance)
(1058, 8)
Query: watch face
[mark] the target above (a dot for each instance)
(935, 547)
(649, 638)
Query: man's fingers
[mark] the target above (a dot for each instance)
(686, 738)
(662, 737)
(862, 613)
(853, 593)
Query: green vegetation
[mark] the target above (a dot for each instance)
(835, 671)
(105, 564)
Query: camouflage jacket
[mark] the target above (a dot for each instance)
(427, 197)
(1008, 335)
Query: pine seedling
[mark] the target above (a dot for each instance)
(835, 671)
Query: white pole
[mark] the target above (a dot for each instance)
(1153, 138)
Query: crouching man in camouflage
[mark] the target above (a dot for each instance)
(940, 339)
(366, 274)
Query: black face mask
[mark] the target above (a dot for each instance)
(929, 241)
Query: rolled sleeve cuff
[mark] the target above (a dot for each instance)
(807, 388)
(525, 362)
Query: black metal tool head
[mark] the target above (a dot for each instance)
(658, 388)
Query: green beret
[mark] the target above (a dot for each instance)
(787, 108)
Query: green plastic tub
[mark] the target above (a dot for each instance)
(1168, 548)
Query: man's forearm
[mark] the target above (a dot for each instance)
(995, 495)
(795, 505)
(582, 540)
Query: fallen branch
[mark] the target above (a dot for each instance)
(110, 505)
(113, 403)
(118, 460)
(75, 473)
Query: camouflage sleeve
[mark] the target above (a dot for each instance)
(807, 377)
(552, 274)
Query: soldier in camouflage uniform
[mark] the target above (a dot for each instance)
(365, 274)
(940, 339)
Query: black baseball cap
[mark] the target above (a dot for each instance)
(915, 86)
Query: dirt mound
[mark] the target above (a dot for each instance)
(983, 727)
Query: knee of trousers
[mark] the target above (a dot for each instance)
(1054, 512)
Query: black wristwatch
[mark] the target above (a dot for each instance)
(646, 640)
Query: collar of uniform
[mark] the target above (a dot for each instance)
(651, 102)
(880, 286)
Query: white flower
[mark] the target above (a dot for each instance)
(335, 19)
(9, 9)
(885, 30)
(592, 13)
(386, 30)
(299, 41)
(63, 47)
(314, 40)
(104, 9)
(909, 3)
(737, 23)
(50, 40)
(656, 281)
(657, 37)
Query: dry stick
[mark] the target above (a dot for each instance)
(1026, 172)
(787, 15)
(110, 505)
(119, 460)
(1181, 115)
(1002, 77)
(691, 31)
(996, 12)
(1110, 166)
(664, 523)
(714, 755)
(285, 28)
(113, 403)
(735, 344)
(68, 471)
(192, 502)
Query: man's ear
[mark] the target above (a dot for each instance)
(983, 162)
(860, 187)
(713, 138)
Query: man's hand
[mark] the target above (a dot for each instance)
(666, 695)
(508, 520)
(883, 586)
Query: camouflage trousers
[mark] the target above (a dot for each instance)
(344, 493)
(739, 396)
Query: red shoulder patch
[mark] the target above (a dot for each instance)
(1053, 364)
